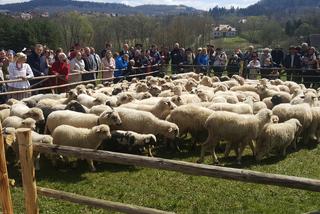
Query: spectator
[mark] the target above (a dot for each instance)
(108, 65)
(61, 67)
(77, 66)
(155, 55)
(10, 55)
(125, 50)
(108, 48)
(165, 56)
(253, 66)
(74, 50)
(121, 65)
(4, 63)
(220, 62)
(233, 65)
(89, 65)
(203, 61)
(277, 55)
(304, 49)
(176, 59)
(266, 63)
(189, 60)
(247, 57)
(96, 59)
(38, 64)
(292, 63)
(310, 64)
(20, 70)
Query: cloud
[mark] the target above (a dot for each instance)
(199, 4)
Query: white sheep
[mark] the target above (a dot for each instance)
(145, 123)
(99, 109)
(133, 140)
(302, 112)
(90, 101)
(17, 122)
(161, 110)
(5, 113)
(80, 120)
(234, 128)
(277, 135)
(23, 111)
(81, 137)
(240, 108)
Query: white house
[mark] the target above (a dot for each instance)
(224, 31)
(26, 16)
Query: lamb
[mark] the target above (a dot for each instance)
(23, 111)
(81, 137)
(234, 128)
(145, 123)
(133, 140)
(190, 118)
(124, 98)
(240, 108)
(17, 122)
(302, 112)
(80, 120)
(161, 110)
(279, 135)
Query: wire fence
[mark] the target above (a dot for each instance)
(310, 77)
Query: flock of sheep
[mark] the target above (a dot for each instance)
(266, 115)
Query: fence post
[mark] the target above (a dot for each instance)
(27, 169)
(5, 195)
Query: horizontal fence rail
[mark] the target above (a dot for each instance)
(183, 167)
(97, 203)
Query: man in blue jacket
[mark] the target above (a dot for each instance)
(121, 64)
(38, 64)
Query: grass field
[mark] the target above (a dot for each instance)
(180, 193)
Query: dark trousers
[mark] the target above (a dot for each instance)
(218, 70)
(232, 70)
(294, 75)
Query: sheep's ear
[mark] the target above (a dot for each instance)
(98, 130)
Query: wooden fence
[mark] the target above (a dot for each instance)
(26, 148)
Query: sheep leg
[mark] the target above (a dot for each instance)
(227, 149)
(37, 162)
(242, 146)
(213, 153)
(252, 147)
(91, 166)
(284, 151)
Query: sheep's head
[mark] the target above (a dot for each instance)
(155, 90)
(102, 131)
(146, 95)
(135, 80)
(110, 118)
(215, 79)
(72, 94)
(30, 103)
(224, 78)
(12, 101)
(177, 90)
(90, 86)
(173, 131)
(36, 114)
(177, 100)
(239, 79)
(117, 91)
(47, 139)
(190, 85)
(99, 86)
(28, 123)
(98, 101)
(4, 106)
(124, 98)
(166, 86)
(264, 116)
(75, 106)
(141, 87)
(206, 81)
(9, 134)
(274, 119)
(202, 95)
(166, 105)
(276, 100)
(261, 88)
(167, 78)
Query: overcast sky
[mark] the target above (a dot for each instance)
(200, 4)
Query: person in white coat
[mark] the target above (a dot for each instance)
(77, 66)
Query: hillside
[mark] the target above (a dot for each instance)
(270, 8)
(70, 5)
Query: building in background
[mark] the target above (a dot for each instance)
(224, 31)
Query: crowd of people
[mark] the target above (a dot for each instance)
(300, 63)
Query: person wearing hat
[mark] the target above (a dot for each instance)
(19, 69)
(266, 63)
(292, 63)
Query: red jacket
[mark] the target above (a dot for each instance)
(61, 69)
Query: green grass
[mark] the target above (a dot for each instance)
(232, 43)
(177, 192)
